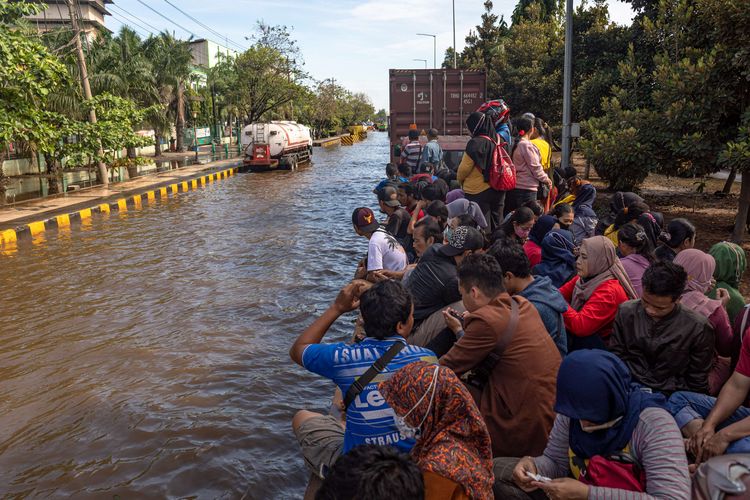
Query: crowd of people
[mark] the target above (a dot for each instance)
(518, 344)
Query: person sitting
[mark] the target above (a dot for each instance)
(391, 178)
(637, 253)
(517, 228)
(679, 236)
(539, 290)
(434, 282)
(584, 220)
(383, 250)
(404, 172)
(426, 233)
(617, 202)
(533, 246)
(373, 472)
(666, 346)
(387, 311)
(463, 206)
(714, 426)
(699, 267)
(558, 260)
(564, 216)
(453, 195)
(731, 263)
(407, 198)
(611, 439)
(506, 358)
(398, 218)
(595, 294)
(627, 215)
(566, 182)
(453, 447)
(438, 211)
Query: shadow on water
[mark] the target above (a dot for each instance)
(146, 354)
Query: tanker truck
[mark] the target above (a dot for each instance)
(276, 144)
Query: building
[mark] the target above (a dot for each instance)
(91, 16)
(206, 54)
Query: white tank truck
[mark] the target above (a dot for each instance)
(276, 144)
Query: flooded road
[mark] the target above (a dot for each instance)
(145, 354)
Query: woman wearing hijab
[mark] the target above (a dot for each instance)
(453, 447)
(613, 437)
(463, 206)
(731, 263)
(595, 294)
(474, 171)
(584, 220)
(700, 269)
(454, 195)
(533, 246)
(558, 260)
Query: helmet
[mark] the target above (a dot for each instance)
(497, 110)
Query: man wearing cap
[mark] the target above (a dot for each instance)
(383, 251)
(434, 283)
(432, 154)
(398, 218)
(412, 152)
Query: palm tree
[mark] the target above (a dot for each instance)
(171, 60)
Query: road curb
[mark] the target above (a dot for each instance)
(26, 232)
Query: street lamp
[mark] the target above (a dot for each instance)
(455, 50)
(567, 78)
(434, 48)
(195, 134)
(423, 60)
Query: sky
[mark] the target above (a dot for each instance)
(354, 42)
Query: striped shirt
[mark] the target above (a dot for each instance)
(657, 446)
(411, 153)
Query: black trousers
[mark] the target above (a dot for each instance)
(491, 204)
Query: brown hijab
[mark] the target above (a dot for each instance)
(602, 265)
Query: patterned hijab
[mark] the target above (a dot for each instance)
(454, 441)
(602, 265)
(700, 269)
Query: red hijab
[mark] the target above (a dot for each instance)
(454, 442)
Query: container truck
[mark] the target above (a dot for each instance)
(276, 144)
(434, 98)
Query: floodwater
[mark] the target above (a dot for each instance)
(145, 354)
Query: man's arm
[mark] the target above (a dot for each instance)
(730, 398)
(470, 350)
(347, 300)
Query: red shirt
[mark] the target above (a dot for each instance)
(743, 365)
(411, 212)
(598, 313)
(533, 252)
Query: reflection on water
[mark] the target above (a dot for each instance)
(146, 354)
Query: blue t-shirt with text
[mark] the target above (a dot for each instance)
(369, 419)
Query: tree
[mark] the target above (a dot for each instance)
(484, 47)
(28, 74)
(535, 9)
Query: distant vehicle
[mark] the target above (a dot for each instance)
(276, 145)
(434, 98)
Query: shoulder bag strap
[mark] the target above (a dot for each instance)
(378, 366)
(510, 330)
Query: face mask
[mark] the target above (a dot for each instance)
(522, 233)
(601, 427)
(447, 233)
(407, 430)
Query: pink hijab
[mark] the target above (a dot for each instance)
(700, 269)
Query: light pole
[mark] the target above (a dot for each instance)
(455, 50)
(423, 60)
(434, 48)
(567, 76)
(195, 134)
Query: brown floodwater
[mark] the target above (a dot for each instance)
(145, 354)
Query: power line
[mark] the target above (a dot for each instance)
(133, 16)
(164, 17)
(211, 30)
(129, 22)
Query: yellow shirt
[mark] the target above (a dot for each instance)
(545, 151)
(470, 177)
(612, 233)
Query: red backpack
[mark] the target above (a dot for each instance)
(502, 171)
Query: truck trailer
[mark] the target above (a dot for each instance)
(276, 144)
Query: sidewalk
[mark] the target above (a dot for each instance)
(45, 208)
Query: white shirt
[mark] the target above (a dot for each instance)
(385, 252)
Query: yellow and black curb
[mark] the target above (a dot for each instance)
(9, 237)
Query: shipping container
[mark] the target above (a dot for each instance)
(434, 98)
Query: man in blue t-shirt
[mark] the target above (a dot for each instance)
(388, 315)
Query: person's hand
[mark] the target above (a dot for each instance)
(695, 444)
(391, 275)
(380, 275)
(548, 182)
(715, 445)
(564, 489)
(348, 298)
(526, 464)
(723, 295)
(451, 321)
(361, 271)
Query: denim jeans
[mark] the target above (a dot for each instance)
(688, 406)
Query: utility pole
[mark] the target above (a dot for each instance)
(567, 78)
(455, 50)
(434, 48)
(85, 83)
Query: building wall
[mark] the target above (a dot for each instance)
(56, 15)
